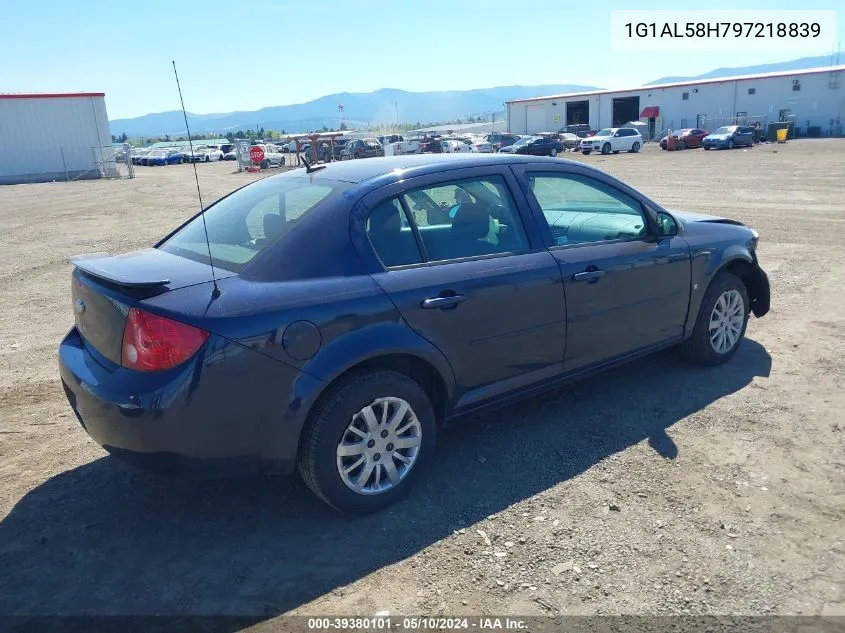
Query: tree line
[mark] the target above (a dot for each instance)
(269, 134)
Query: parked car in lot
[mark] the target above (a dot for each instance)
(210, 154)
(273, 157)
(396, 144)
(728, 137)
(502, 139)
(164, 157)
(194, 155)
(569, 140)
(454, 146)
(581, 130)
(535, 146)
(232, 154)
(478, 144)
(137, 155)
(345, 327)
(687, 138)
(613, 139)
(362, 148)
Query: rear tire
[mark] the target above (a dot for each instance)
(730, 144)
(553, 152)
(635, 148)
(328, 430)
(700, 348)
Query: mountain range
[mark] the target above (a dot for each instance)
(359, 110)
(389, 104)
(795, 64)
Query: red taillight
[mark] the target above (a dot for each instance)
(153, 343)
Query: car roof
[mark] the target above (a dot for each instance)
(357, 171)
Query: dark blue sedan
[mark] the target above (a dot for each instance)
(351, 311)
(165, 157)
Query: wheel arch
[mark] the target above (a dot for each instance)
(415, 367)
(756, 283)
(741, 262)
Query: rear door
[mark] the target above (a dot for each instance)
(463, 262)
(626, 289)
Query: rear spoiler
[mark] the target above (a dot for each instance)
(117, 269)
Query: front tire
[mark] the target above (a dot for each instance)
(730, 144)
(721, 322)
(586, 152)
(367, 441)
(553, 152)
(605, 149)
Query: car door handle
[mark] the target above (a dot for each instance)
(443, 302)
(588, 275)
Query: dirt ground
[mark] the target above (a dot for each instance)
(658, 488)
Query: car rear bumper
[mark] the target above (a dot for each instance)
(218, 414)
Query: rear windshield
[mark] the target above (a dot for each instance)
(250, 220)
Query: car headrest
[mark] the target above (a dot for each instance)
(472, 222)
(274, 224)
(385, 219)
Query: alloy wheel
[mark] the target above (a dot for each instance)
(379, 446)
(726, 321)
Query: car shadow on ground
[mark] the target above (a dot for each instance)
(105, 539)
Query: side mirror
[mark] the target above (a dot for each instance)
(667, 226)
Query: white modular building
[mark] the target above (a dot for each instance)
(46, 137)
(812, 101)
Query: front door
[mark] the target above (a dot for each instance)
(626, 289)
(466, 274)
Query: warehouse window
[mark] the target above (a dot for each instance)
(684, 96)
(752, 91)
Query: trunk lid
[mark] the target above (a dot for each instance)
(104, 287)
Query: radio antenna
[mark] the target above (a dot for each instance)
(216, 291)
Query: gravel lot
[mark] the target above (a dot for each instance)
(658, 488)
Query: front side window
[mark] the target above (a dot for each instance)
(245, 223)
(579, 209)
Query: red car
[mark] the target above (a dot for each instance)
(688, 138)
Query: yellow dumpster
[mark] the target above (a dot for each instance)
(782, 135)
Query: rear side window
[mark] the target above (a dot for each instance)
(245, 223)
(466, 218)
(391, 235)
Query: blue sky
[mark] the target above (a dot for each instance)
(253, 53)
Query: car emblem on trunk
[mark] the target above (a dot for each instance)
(79, 305)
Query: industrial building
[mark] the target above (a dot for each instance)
(48, 137)
(811, 101)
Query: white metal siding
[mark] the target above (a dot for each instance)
(820, 101)
(46, 137)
